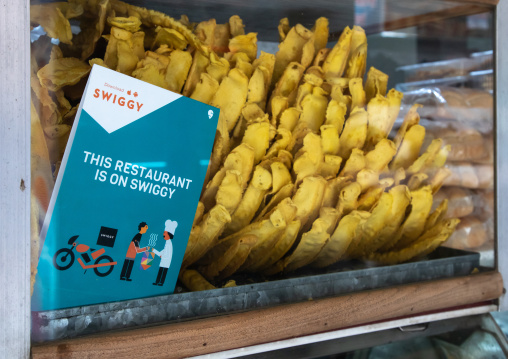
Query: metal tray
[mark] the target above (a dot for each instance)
(251, 293)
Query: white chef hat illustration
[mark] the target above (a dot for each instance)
(170, 226)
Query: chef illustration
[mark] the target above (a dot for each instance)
(167, 253)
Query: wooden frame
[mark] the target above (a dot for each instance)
(501, 131)
(15, 180)
(223, 332)
(216, 334)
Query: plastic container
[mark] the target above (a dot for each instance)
(437, 70)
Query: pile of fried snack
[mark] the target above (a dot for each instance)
(302, 171)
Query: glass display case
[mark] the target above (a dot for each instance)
(355, 182)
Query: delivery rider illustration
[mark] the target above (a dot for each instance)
(132, 252)
(167, 253)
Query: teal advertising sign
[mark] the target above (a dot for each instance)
(126, 194)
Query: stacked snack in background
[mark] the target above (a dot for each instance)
(463, 119)
(302, 172)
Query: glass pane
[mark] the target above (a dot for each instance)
(325, 177)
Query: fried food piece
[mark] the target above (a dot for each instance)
(399, 175)
(160, 61)
(54, 17)
(278, 105)
(370, 198)
(309, 161)
(236, 26)
(330, 166)
(355, 163)
(308, 199)
(337, 93)
(257, 135)
(258, 187)
(205, 89)
(230, 191)
(308, 52)
(46, 106)
(335, 115)
(321, 33)
(231, 97)
(339, 242)
(401, 199)
(376, 83)
(269, 233)
(240, 159)
(194, 281)
(280, 176)
(330, 139)
(367, 178)
(303, 90)
(333, 187)
(205, 32)
(413, 226)
(247, 242)
(357, 93)
(131, 23)
(149, 73)
(199, 64)
(354, 133)
(62, 72)
(357, 62)
(314, 109)
(377, 110)
(205, 237)
(152, 18)
(257, 91)
(221, 37)
(289, 118)
(213, 269)
(411, 119)
(320, 57)
(348, 198)
(246, 44)
(285, 192)
(290, 50)
(56, 139)
(336, 61)
(90, 35)
(423, 246)
(441, 157)
(312, 242)
(199, 213)
(287, 85)
(241, 61)
(437, 216)
(283, 245)
(409, 148)
(283, 28)
(439, 178)
(178, 68)
(260, 81)
(218, 67)
(427, 158)
(370, 229)
(124, 50)
(416, 180)
(282, 142)
(394, 100)
(382, 154)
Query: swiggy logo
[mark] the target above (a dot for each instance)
(118, 99)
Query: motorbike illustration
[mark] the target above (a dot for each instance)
(64, 258)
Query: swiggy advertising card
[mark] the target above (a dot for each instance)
(126, 194)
